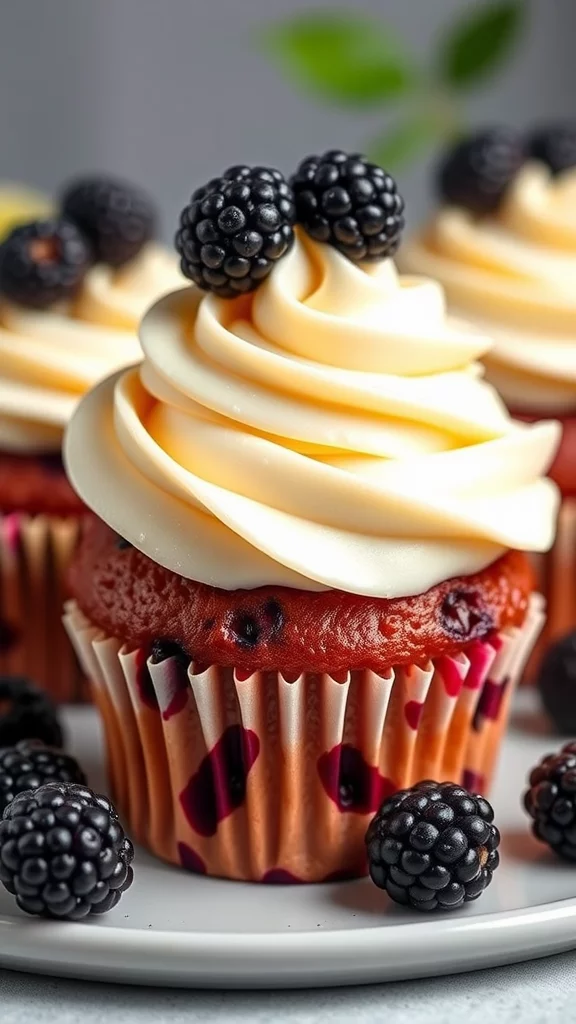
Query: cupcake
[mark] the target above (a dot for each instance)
(304, 587)
(72, 290)
(503, 245)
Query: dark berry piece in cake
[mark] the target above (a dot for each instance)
(463, 617)
(64, 853)
(118, 218)
(554, 145)
(29, 765)
(433, 847)
(557, 684)
(27, 713)
(346, 201)
(477, 172)
(163, 649)
(43, 262)
(551, 801)
(235, 229)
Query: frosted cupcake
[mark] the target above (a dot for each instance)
(503, 246)
(304, 588)
(72, 291)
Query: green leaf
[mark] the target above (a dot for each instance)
(479, 42)
(407, 138)
(348, 59)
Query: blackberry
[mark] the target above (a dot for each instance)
(43, 262)
(551, 801)
(27, 713)
(234, 230)
(117, 218)
(554, 145)
(349, 203)
(476, 173)
(30, 765)
(433, 847)
(63, 852)
(557, 684)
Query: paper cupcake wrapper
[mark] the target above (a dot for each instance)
(262, 778)
(556, 579)
(35, 552)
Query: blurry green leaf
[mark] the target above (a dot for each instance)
(480, 41)
(403, 142)
(349, 59)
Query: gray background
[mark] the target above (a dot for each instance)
(169, 92)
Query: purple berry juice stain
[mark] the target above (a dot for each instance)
(190, 860)
(219, 786)
(352, 783)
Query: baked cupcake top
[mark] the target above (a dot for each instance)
(72, 291)
(328, 429)
(503, 246)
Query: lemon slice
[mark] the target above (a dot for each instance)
(19, 204)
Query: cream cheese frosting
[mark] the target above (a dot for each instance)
(49, 358)
(332, 430)
(513, 274)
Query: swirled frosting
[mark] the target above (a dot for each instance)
(49, 358)
(330, 431)
(513, 274)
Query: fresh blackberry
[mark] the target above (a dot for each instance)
(551, 801)
(235, 229)
(557, 684)
(476, 173)
(63, 852)
(27, 713)
(43, 262)
(351, 204)
(554, 145)
(117, 218)
(433, 847)
(30, 765)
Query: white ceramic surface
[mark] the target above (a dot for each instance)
(177, 929)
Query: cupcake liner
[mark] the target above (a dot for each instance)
(264, 778)
(556, 578)
(35, 552)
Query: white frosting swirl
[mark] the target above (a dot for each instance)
(330, 431)
(513, 275)
(49, 358)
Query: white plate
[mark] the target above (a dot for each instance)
(173, 928)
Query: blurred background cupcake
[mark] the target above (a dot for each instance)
(304, 590)
(72, 290)
(503, 245)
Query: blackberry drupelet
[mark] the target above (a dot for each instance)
(64, 853)
(351, 204)
(29, 765)
(27, 713)
(557, 684)
(235, 229)
(116, 217)
(43, 262)
(554, 145)
(551, 801)
(433, 847)
(476, 173)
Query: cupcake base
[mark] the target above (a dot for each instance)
(258, 777)
(35, 552)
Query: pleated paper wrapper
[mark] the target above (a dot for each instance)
(35, 552)
(262, 778)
